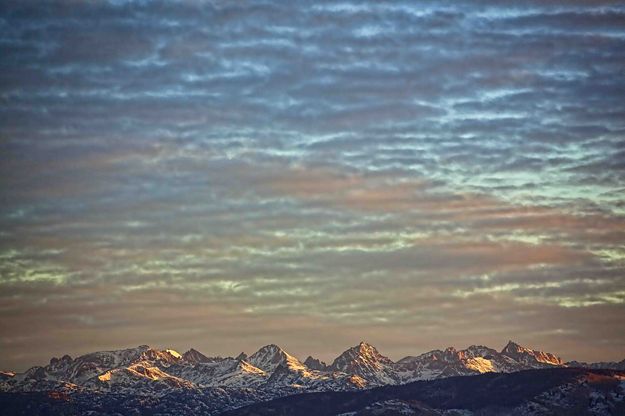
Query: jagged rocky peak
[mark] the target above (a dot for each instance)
(271, 356)
(194, 356)
(365, 360)
(64, 360)
(124, 357)
(479, 351)
(366, 349)
(363, 353)
(471, 352)
(315, 364)
(269, 347)
(115, 357)
(168, 356)
(267, 352)
(513, 347)
(526, 355)
(451, 353)
(241, 357)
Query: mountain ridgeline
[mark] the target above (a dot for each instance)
(216, 384)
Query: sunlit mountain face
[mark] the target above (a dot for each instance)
(226, 175)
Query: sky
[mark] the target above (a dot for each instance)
(224, 175)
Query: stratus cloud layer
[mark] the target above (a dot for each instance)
(222, 175)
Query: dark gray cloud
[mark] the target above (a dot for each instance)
(287, 171)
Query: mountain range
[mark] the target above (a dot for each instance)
(225, 383)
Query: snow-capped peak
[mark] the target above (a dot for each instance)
(269, 357)
(365, 360)
(362, 353)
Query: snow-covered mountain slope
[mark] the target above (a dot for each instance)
(543, 392)
(224, 372)
(87, 367)
(142, 375)
(314, 380)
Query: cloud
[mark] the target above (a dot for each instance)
(449, 171)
